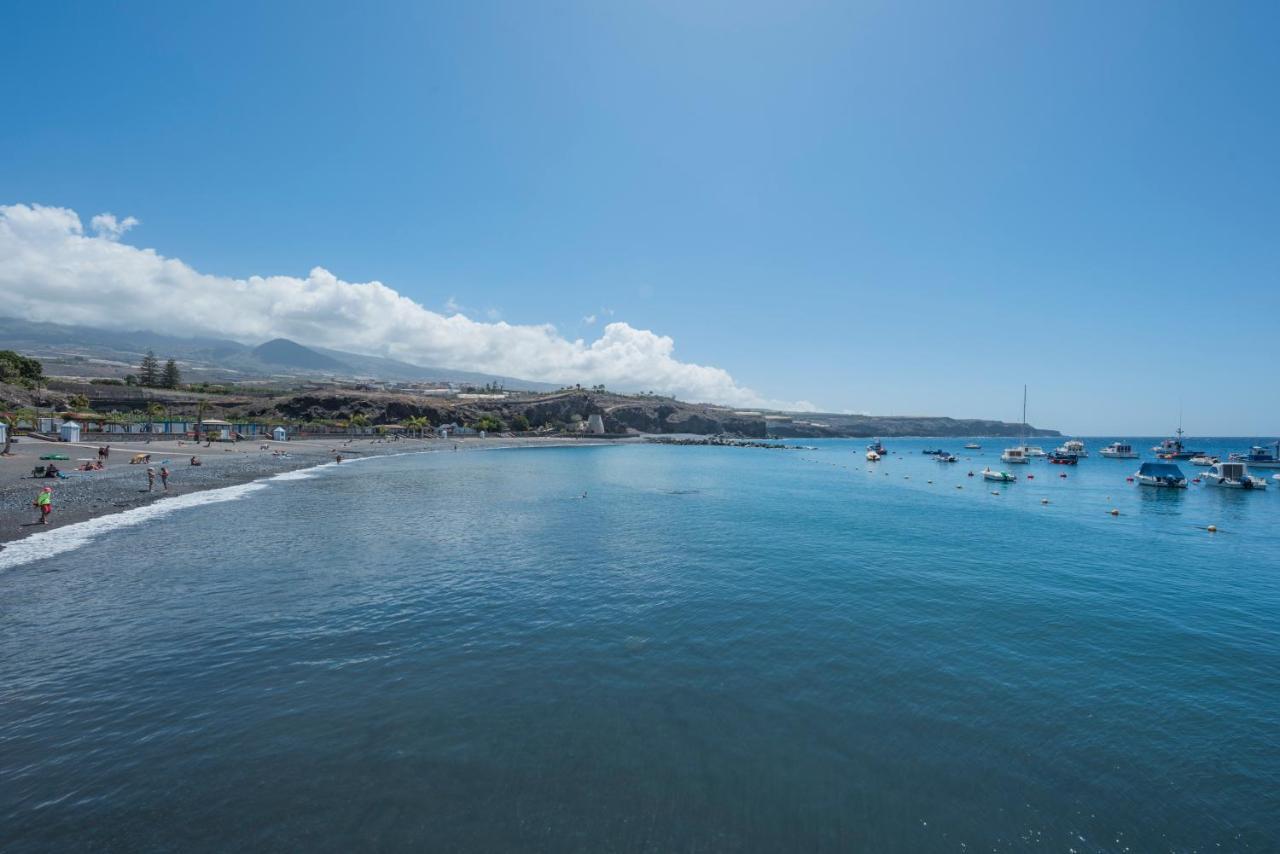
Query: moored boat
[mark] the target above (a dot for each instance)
(1174, 449)
(1059, 457)
(944, 457)
(872, 457)
(877, 447)
(1119, 451)
(1260, 457)
(1076, 447)
(973, 446)
(999, 476)
(1203, 460)
(1232, 475)
(1165, 475)
(1014, 455)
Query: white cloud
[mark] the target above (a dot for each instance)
(589, 319)
(51, 271)
(106, 225)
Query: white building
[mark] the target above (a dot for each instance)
(69, 431)
(279, 434)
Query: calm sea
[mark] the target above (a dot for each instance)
(714, 649)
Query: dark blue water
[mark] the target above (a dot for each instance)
(716, 649)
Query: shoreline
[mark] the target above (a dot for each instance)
(122, 486)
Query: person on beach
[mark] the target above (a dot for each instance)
(151, 478)
(339, 459)
(164, 478)
(195, 461)
(44, 503)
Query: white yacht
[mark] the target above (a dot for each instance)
(973, 446)
(1119, 451)
(1034, 451)
(1074, 447)
(1232, 476)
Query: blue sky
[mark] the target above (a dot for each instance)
(887, 208)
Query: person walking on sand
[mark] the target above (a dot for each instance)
(44, 503)
(164, 478)
(151, 478)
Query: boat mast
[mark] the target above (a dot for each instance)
(1024, 415)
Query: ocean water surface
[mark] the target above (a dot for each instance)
(652, 649)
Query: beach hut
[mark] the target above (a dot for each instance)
(69, 431)
(4, 432)
(216, 426)
(279, 434)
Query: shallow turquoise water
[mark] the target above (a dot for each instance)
(716, 649)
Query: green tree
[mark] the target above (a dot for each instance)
(519, 422)
(171, 377)
(488, 422)
(149, 370)
(357, 422)
(20, 370)
(78, 401)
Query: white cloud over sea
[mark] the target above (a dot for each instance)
(52, 270)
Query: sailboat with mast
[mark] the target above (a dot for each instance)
(1020, 452)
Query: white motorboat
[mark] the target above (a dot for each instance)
(1166, 475)
(1119, 451)
(1034, 451)
(1075, 448)
(872, 457)
(1232, 475)
(973, 446)
(1015, 455)
(998, 476)
(1203, 460)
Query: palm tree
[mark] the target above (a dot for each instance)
(357, 421)
(418, 423)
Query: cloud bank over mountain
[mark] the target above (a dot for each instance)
(51, 270)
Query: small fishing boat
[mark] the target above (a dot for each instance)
(877, 447)
(1161, 474)
(1119, 451)
(1059, 457)
(872, 457)
(944, 457)
(1260, 457)
(1174, 449)
(973, 446)
(998, 476)
(1232, 475)
(1203, 460)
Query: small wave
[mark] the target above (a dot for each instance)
(67, 538)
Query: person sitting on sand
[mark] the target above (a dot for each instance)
(44, 502)
(195, 461)
(51, 471)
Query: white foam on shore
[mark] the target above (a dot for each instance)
(60, 540)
